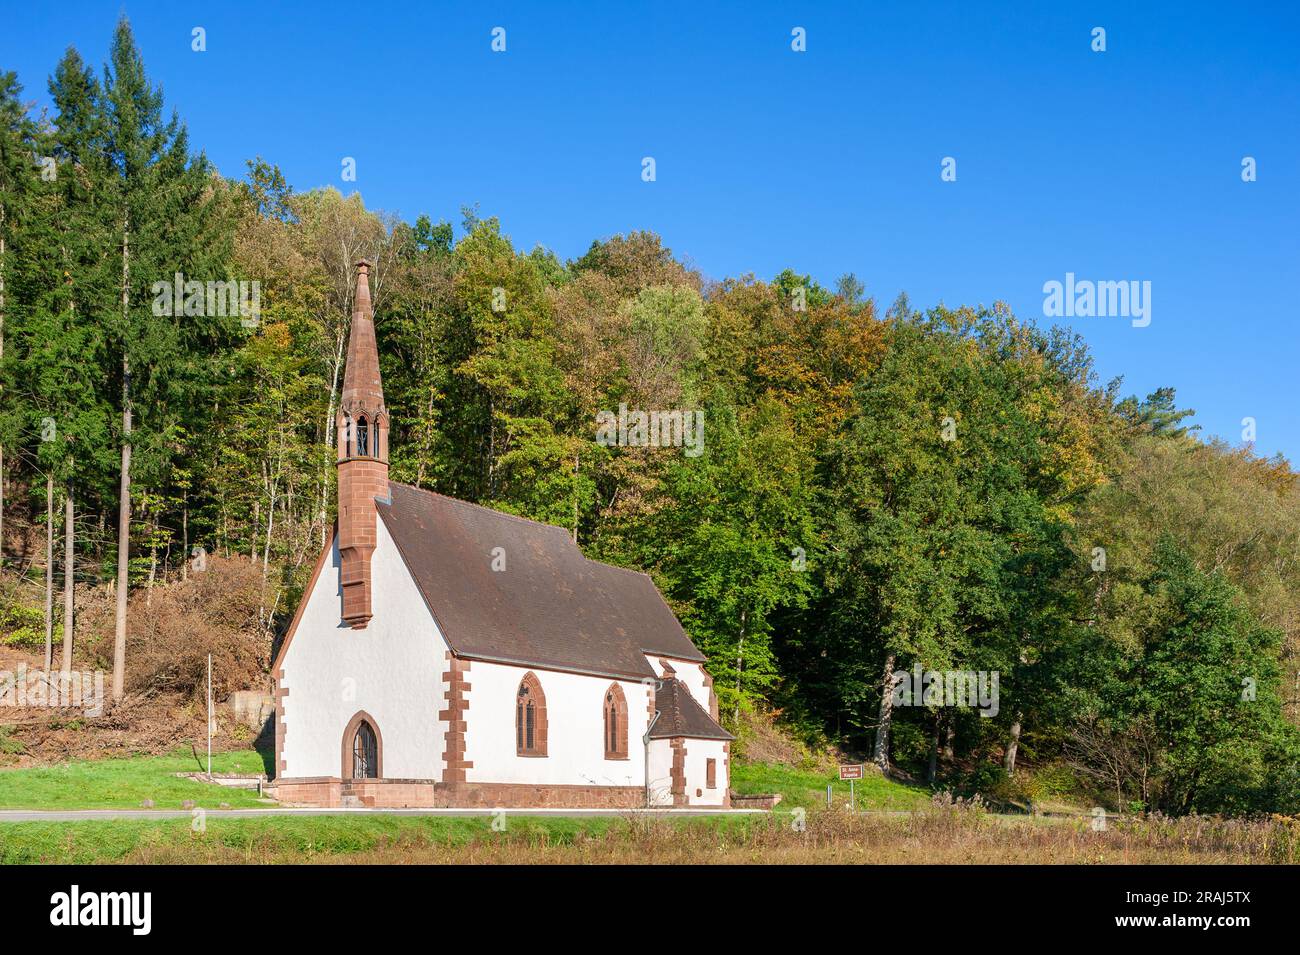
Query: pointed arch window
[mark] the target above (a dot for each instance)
(363, 437)
(530, 717)
(363, 749)
(365, 753)
(615, 723)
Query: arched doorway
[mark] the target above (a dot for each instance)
(363, 748)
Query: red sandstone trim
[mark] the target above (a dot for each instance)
(279, 694)
(619, 750)
(538, 695)
(678, 773)
(453, 752)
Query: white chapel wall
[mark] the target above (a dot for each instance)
(698, 752)
(575, 729)
(392, 670)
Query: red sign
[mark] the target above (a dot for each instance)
(853, 771)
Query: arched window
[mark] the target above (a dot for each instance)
(347, 436)
(530, 718)
(615, 723)
(363, 437)
(365, 753)
(363, 749)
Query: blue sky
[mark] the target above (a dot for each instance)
(1122, 165)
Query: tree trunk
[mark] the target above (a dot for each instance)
(1009, 758)
(153, 559)
(880, 756)
(49, 573)
(69, 580)
(257, 520)
(949, 734)
(740, 664)
(124, 487)
(272, 489)
(932, 771)
(123, 555)
(185, 538)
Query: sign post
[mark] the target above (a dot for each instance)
(209, 717)
(852, 771)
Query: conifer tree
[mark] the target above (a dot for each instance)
(169, 217)
(16, 174)
(57, 335)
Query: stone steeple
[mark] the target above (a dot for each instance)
(362, 428)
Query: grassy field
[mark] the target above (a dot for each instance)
(801, 830)
(936, 835)
(806, 789)
(126, 783)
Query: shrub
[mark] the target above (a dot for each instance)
(1053, 781)
(175, 627)
(9, 746)
(21, 625)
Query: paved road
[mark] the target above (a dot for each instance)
(77, 815)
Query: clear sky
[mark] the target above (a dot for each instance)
(1122, 165)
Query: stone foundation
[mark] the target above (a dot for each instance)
(756, 801)
(530, 796)
(332, 793)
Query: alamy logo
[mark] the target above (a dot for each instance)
(71, 690)
(103, 908)
(1084, 298)
(977, 689)
(209, 299)
(652, 429)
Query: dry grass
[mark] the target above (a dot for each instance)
(939, 835)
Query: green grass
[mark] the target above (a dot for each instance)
(291, 838)
(807, 788)
(126, 783)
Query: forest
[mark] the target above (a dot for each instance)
(879, 489)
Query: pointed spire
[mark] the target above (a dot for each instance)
(362, 457)
(363, 389)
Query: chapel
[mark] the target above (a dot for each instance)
(446, 654)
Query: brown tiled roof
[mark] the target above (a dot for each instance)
(681, 715)
(550, 606)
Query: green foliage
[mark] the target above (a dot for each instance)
(21, 625)
(1201, 687)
